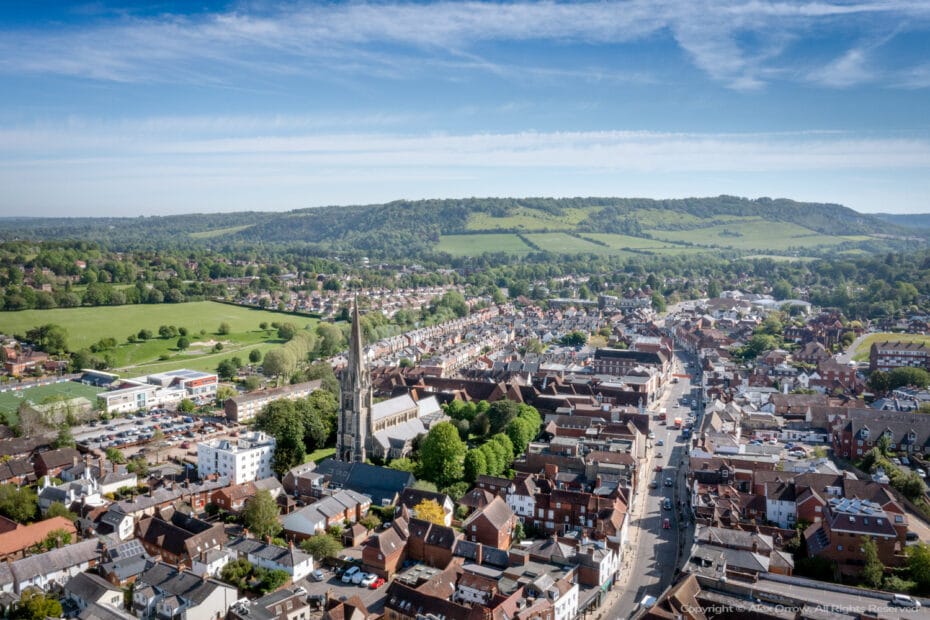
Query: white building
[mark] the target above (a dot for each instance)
(159, 390)
(565, 596)
(245, 460)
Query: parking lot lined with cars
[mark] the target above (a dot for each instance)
(139, 428)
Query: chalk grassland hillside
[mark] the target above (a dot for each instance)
(470, 227)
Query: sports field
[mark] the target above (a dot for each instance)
(10, 399)
(86, 326)
(862, 352)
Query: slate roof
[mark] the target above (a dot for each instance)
(55, 560)
(95, 611)
(282, 556)
(178, 540)
(182, 584)
(89, 587)
(432, 534)
(378, 483)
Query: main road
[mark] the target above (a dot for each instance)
(654, 553)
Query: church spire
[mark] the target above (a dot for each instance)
(356, 399)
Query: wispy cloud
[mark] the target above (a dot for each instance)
(356, 37)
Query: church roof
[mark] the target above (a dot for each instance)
(392, 406)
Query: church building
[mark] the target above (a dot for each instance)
(385, 429)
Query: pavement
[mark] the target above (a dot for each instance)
(653, 555)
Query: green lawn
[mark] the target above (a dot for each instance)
(318, 455)
(475, 245)
(10, 399)
(862, 353)
(620, 243)
(86, 326)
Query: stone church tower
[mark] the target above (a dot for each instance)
(355, 404)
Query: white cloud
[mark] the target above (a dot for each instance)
(354, 38)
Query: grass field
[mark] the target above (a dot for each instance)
(564, 243)
(862, 352)
(475, 245)
(618, 243)
(86, 326)
(754, 234)
(218, 232)
(10, 399)
(528, 219)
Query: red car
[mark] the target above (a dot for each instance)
(377, 583)
(666, 524)
(658, 468)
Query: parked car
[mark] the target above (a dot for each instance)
(318, 575)
(667, 504)
(902, 600)
(377, 583)
(666, 524)
(660, 443)
(367, 580)
(357, 577)
(658, 468)
(921, 472)
(350, 574)
(654, 484)
(668, 481)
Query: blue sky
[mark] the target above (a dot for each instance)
(132, 109)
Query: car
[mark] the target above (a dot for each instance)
(377, 583)
(659, 455)
(905, 461)
(921, 472)
(666, 524)
(668, 481)
(318, 575)
(358, 577)
(911, 537)
(658, 468)
(367, 580)
(652, 435)
(755, 442)
(654, 484)
(896, 460)
(350, 573)
(667, 504)
(660, 443)
(902, 600)
(185, 444)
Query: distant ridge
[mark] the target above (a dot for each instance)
(905, 220)
(520, 225)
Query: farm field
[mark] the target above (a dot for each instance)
(475, 245)
(85, 326)
(619, 243)
(862, 353)
(10, 399)
(754, 234)
(563, 243)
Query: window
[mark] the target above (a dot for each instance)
(839, 547)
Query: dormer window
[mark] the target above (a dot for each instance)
(887, 433)
(865, 433)
(912, 436)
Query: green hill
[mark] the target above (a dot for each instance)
(466, 227)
